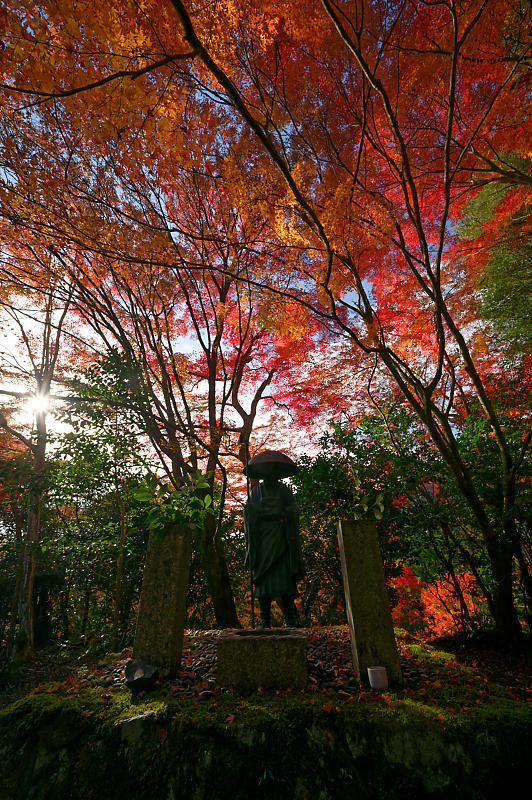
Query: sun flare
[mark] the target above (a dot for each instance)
(38, 404)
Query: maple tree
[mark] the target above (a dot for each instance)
(357, 131)
(430, 148)
(197, 406)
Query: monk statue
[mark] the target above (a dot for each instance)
(272, 536)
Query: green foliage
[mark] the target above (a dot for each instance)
(102, 452)
(164, 506)
(18, 483)
(362, 473)
(116, 381)
(506, 299)
(386, 468)
(478, 445)
(479, 210)
(96, 463)
(504, 288)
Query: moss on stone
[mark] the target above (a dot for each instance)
(95, 743)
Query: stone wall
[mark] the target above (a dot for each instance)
(278, 748)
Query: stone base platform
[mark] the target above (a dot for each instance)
(273, 658)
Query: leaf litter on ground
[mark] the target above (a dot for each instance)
(447, 681)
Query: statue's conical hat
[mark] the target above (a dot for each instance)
(270, 464)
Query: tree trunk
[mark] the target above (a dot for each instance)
(506, 619)
(447, 561)
(527, 584)
(499, 544)
(86, 603)
(465, 617)
(25, 644)
(18, 583)
(309, 599)
(117, 610)
(63, 605)
(217, 575)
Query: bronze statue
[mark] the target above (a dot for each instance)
(272, 535)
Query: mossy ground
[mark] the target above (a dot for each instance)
(456, 728)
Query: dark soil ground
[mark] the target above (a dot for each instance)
(427, 669)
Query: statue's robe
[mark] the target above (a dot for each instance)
(273, 548)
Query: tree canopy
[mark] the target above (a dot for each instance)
(293, 205)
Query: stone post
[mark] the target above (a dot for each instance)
(368, 610)
(272, 658)
(162, 609)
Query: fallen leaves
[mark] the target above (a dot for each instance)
(445, 686)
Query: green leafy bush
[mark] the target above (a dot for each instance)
(165, 506)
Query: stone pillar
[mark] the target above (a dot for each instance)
(162, 609)
(368, 610)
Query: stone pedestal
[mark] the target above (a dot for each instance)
(368, 610)
(162, 609)
(271, 659)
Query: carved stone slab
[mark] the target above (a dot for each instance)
(162, 609)
(368, 610)
(274, 658)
